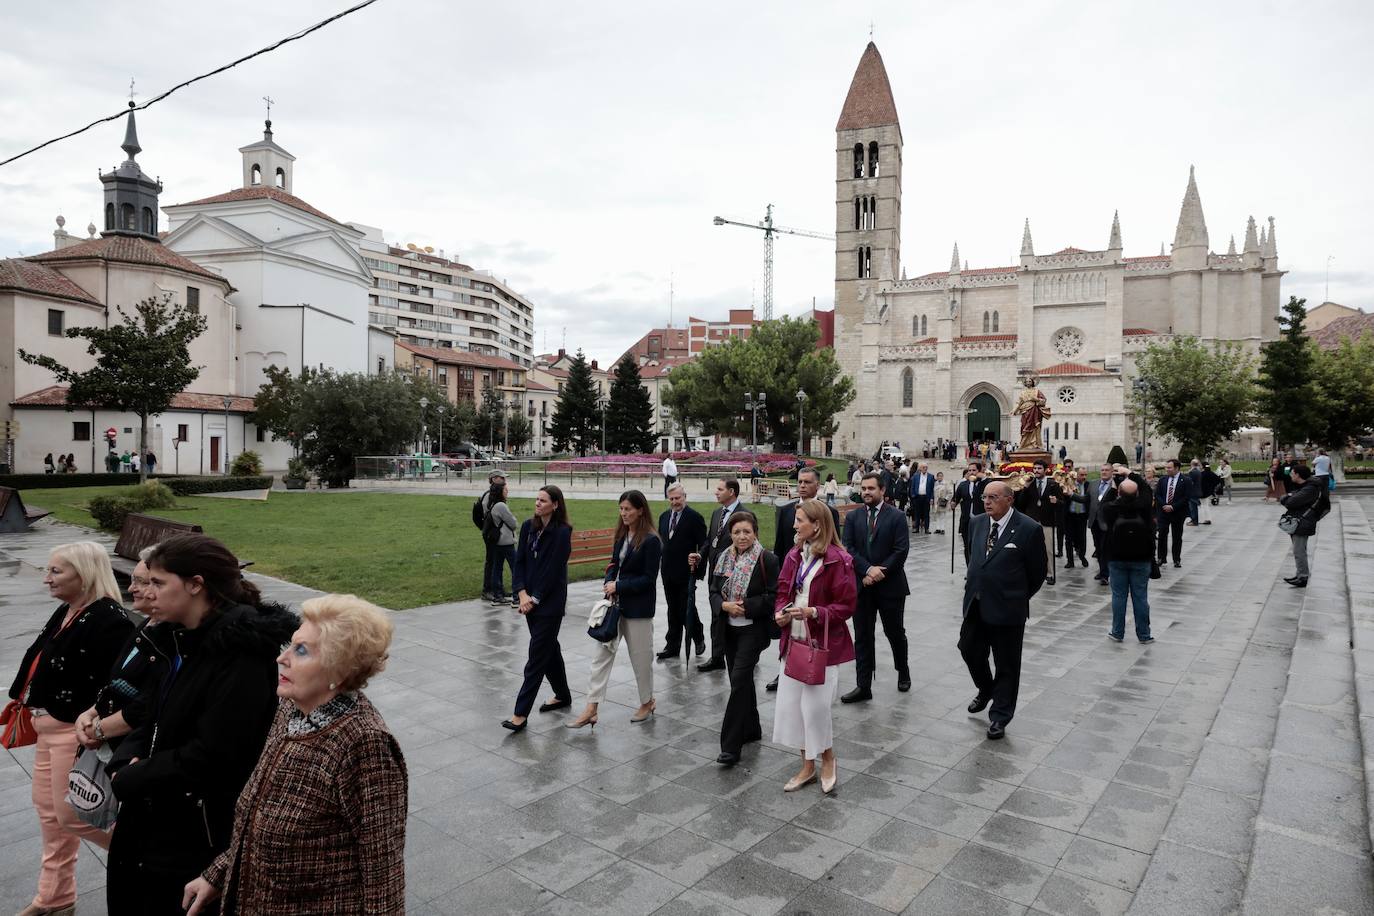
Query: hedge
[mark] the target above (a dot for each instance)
(193, 486)
(53, 481)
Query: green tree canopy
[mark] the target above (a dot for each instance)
(1196, 394)
(141, 363)
(1286, 380)
(576, 421)
(519, 430)
(491, 417)
(778, 359)
(1344, 382)
(630, 416)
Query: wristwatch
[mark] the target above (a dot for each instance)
(99, 732)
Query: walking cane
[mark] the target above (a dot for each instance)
(953, 530)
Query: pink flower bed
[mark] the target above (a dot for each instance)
(773, 463)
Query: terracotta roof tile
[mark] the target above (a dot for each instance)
(869, 102)
(1352, 326)
(128, 249)
(531, 385)
(1160, 258)
(1073, 250)
(977, 338)
(457, 357)
(261, 193)
(974, 272)
(30, 277)
(1070, 369)
(1136, 332)
(56, 396)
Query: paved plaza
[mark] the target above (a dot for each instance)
(1218, 770)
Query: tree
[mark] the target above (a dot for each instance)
(491, 416)
(1286, 378)
(630, 415)
(277, 405)
(1196, 394)
(1344, 405)
(778, 359)
(576, 421)
(519, 430)
(141, 363)
(459, 421)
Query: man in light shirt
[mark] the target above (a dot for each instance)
(669, 473)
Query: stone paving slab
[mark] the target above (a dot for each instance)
(1113, 745)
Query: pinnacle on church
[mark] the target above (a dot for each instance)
(1271, 249)
(130, 144)
(1231, 248)
(954, 260)
(869, 102)
(1251, 239)
(1027, 247)
(1114, 243)
(1192, 227)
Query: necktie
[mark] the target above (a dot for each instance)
(992, 539)
(672, 525)
(723, 516)
(1169, 497)
(872, 522)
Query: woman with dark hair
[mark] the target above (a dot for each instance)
(1309, 504)
(59, 677)
(539, 579)
(744, 585)
(178, 775)
(632, 584)
(498, 531)
(1273, 481)
(48, 466)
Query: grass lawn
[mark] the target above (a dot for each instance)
(399, 550)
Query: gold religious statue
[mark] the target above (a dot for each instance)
(1033, 408)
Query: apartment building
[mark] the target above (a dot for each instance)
(433, 301)
(464, 376)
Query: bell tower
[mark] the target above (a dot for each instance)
(868, 220)
(267, 165)
(130, 195)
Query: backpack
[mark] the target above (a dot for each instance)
(1131, 534)
(491, 529)
(479, 511)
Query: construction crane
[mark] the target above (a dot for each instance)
(769, 230)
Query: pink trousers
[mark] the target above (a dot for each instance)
(62, 830)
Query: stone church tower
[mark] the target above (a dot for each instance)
(868, 214)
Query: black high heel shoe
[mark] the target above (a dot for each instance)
(556, 704)
(507, 723)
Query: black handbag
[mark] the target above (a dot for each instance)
(609, 627)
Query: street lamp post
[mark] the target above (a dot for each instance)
(1143, 388)
(753, 405)
(442, 408)
(603, 402)
(227, 401)
(801, 421)
(424, 406)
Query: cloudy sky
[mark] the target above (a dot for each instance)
(580, 150)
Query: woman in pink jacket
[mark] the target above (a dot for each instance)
(816, 595)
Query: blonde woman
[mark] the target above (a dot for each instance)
(817, 593)
(58, 680)
(944, 493)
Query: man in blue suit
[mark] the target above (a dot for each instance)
(1007, 566)
(1172, 493)
(922, 492)
(683, 533)
(877, 539)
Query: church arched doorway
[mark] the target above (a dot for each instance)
(984, 418)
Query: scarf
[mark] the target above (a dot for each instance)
(738, 568)
(300, 725)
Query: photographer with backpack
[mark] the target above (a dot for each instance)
(1126, 509)
(481, 511)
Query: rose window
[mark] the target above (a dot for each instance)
(1068, 342)
(1066, 395)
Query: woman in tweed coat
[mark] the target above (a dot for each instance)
(320, 827)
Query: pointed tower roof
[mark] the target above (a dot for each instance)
(1115, 241)
(1231, 248)
(130, 144)
(870, 102)
(1192, 227)
(1251, 240)
(131, 197)
(1271, 249)
(1027, 246)
(954, 260)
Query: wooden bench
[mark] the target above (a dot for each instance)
(140, 532)
(592, 546)
(15, 517)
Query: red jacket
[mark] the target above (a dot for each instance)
(833, 594)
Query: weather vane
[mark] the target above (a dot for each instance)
(268, 100)
(131, 92)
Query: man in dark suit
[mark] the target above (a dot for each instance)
(877, 539)
(922, 492)
(1075, 519)
(968, 496)
(785, 530)
(1097, 523)
(683, 532)
(1007, 568)
(717, 539)
(1172, 493)
(1040, 499)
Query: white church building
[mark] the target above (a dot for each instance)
(943, 354)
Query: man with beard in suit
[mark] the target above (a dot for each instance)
(1040, 499)
(876, 537)
(718, 539)
(683, 532)
(1007, 568)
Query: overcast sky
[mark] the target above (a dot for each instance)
(580, 150)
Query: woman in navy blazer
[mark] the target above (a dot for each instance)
(632, 583)
(539, 579)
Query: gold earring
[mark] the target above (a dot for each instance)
(332, 685)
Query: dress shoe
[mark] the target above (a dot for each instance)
(647, 711)
(1177, 565)
(1290, 579)
(1084, 561)
(667, 654)
(997, 731)
(1299, 583)
(1069, 565)
(556, 704)
(772, 685)
(514, 726)
(904, 682)
(727, 759)
(857, 695)
(799, 781)
(1050, 580)
(828, 785)
(979, 703)
(701, 649)
(714, 664)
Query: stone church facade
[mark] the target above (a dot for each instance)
(942, 355)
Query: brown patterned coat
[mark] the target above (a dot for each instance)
(320, 826)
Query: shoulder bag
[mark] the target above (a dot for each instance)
(807, 661)
(89, 790)
(16, 717)
(603, 624)
(1288, 523)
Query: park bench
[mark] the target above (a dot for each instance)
(139, 532)
(592, 546)
(14, 515)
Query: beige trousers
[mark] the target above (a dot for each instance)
(638, 636)
(1049, 549)
(62, 830)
